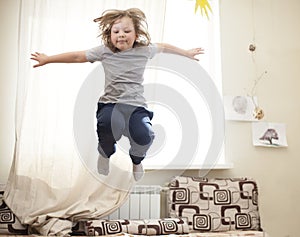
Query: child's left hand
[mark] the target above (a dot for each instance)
(193, 52)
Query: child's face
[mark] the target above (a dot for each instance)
(123, 34)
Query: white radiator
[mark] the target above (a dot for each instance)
(143, 203)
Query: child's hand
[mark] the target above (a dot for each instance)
(40, 58)
(193, 52)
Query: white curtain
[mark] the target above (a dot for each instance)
(50, 184)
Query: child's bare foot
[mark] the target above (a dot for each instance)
(103, 165)
(138, 171)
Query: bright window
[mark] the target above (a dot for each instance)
(185, 29)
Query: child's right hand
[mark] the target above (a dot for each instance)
(40, 58)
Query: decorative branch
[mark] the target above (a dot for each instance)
(256, 83)
(258, 112)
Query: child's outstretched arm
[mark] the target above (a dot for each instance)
(190, 53)
(70, 57)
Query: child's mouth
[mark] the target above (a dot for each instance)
(121, 41)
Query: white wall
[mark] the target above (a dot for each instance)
(278, 52)
(276, 25)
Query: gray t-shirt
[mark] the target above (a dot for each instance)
(123, 73)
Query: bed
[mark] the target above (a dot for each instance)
(202, 207)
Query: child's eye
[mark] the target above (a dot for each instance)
(116, 32)
(127, 31)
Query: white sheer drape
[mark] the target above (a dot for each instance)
(49, 185)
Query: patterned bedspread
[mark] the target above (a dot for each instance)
(231, 234)
(155, 227)
(217, 234)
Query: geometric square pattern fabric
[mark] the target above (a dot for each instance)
(236, 233)
(166, 226)
(9, 223)
(215, 205)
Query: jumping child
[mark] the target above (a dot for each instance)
(122, 109)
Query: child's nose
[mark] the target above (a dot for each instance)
(121, 34)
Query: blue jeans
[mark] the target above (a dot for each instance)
(115, 120)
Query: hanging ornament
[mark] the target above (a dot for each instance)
(204, 7)
(258, 113)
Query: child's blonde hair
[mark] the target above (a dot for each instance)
(109, 17)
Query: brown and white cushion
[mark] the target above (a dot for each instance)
(215, 204)
(9, 223)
